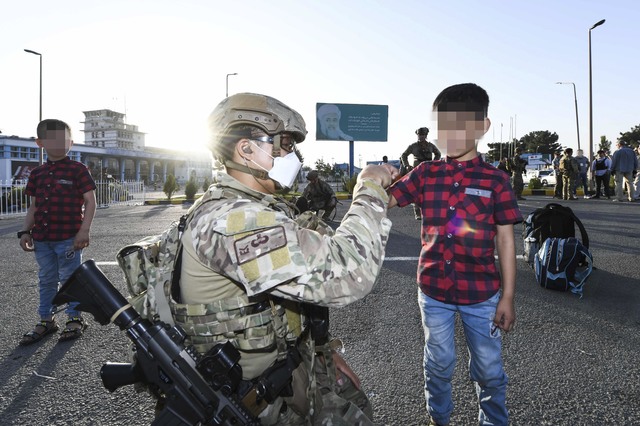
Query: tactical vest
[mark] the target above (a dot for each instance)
(152, 269)
(601, 164)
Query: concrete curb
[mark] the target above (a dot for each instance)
(550, 192)
(166, 202)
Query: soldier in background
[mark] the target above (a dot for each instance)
(318, 195)
(252, 275)
(502, 165)
(422, 150)
(517, 166)
(557, 191)
(569, 170)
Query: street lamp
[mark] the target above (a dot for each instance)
(227, 92)
(41, 157)
(597, 24)
(575, 99)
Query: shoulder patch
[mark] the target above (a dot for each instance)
(259, 243)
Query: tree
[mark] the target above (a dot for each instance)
(632, 137)
(170, 186)
(206, 184)
(323, 168)
(191, 188)
(541, 142)
(500, 150)
(605, 144)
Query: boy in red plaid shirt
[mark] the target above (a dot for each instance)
(56, 228)
(466, 205)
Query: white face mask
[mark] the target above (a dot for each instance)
(284, 170)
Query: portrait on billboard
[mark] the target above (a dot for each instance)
(328, 128)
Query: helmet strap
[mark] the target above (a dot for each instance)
(259, 174)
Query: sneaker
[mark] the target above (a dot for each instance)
(586, 197)
(615, 200)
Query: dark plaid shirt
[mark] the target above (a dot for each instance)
(58, 188)
(461, 203)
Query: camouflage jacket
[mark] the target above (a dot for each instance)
(255, 246)
(569, 165)
(517, 165)
(421, 152)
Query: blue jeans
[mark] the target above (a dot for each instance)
(581, 181)
(484, 342)
(57, 261)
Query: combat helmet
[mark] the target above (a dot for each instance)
(422, 131)
(251, 109)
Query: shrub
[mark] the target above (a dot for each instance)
(170, 186)
(190, 189)
(348, 183)
(206, 184)
(535, 183)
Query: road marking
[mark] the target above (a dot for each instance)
(415, 259)
(386, 259)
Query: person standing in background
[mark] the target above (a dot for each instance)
(583, 169)
(422, 150)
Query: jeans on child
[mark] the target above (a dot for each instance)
(57, 260)
(484, 342)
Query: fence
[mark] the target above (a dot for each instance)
(14, 201)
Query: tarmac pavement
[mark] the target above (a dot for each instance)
(570, 361)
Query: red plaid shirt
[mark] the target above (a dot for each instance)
(58, 188)
(461, 203)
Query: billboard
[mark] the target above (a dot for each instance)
(352, 122)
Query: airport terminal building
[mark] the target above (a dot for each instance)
(111, 149)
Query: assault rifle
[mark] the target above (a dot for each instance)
(198, 390)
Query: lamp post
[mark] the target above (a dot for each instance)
(575, 100)
(41, 156)
(227, 92)
(597, 24)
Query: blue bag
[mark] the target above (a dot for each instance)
(563, 264)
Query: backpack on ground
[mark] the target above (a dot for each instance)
(563, 264)
(552, 220)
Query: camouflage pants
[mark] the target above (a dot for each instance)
(338, 403)
(518, 184)
(568, 181)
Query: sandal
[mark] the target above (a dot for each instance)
(39, 331)
(71, 330)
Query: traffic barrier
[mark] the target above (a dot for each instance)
(14, 201)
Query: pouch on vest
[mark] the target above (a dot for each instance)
(148, 265)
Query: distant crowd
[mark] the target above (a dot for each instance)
(572, 172)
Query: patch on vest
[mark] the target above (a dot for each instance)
(263, 242)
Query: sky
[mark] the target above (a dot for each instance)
(165, 64)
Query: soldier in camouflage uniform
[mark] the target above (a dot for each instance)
(517, 166)
(569, 168)
(253, 275)
(422, 150)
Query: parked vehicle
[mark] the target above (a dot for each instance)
(547, 177)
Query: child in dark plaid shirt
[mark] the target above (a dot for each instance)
(466, 205)
(56, 228)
